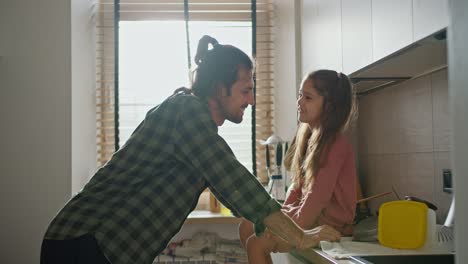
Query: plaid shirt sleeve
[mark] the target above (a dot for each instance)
(224, 202)
(200, 145)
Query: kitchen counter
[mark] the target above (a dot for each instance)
(317, 256)
(207, 217)
(430, 255)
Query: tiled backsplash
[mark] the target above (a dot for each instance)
(403, 140)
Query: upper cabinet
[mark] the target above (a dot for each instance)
(321, 35)
(347, 35)
(356, 34)
(391, 26)
(429, 16)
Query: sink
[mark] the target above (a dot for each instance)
(406, 259)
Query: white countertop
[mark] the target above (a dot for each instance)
(353, 248)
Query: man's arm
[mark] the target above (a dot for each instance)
(285, 228)
(199, 146)
(282, 226)
(224, 202)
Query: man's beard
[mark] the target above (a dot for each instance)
(236, 119)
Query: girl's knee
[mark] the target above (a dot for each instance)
(245, 226)
(252, 244)
(245, 230)
(259, 245)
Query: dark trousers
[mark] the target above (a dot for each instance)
(80, 250)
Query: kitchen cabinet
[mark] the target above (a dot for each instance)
(392, 26)
(429, 16)
(356, 34)
(348, 35)
(321, 35)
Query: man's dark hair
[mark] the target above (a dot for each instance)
(217, 66)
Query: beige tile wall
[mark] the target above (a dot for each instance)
(404, 140)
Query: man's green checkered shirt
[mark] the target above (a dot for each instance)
(139, 200)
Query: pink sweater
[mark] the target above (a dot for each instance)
(332, 198)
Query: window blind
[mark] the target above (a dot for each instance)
(104, 32)
(264, 77)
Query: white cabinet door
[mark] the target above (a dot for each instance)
(356, 34)
(429, 16)
(392, 26)
(321, 35)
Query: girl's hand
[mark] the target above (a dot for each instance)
(312, 237)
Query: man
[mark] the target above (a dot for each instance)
(139, 200)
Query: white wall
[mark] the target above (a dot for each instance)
(3, 30)
(286, 80)
(287, 77)
(458, 96)
(37, 62)
(35, 109)
(404, 141)
(83, 93)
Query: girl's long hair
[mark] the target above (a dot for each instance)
(309, 148)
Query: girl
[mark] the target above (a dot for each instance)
(323, 189)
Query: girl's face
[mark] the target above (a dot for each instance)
(309, 104)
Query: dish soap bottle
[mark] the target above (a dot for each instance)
(277, 187)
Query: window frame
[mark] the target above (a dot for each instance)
(107, 83)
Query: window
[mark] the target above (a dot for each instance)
(153, 62)
(148, 29)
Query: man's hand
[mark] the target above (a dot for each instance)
(281, 225)
(312, 237)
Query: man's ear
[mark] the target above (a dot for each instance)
(220, 90)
